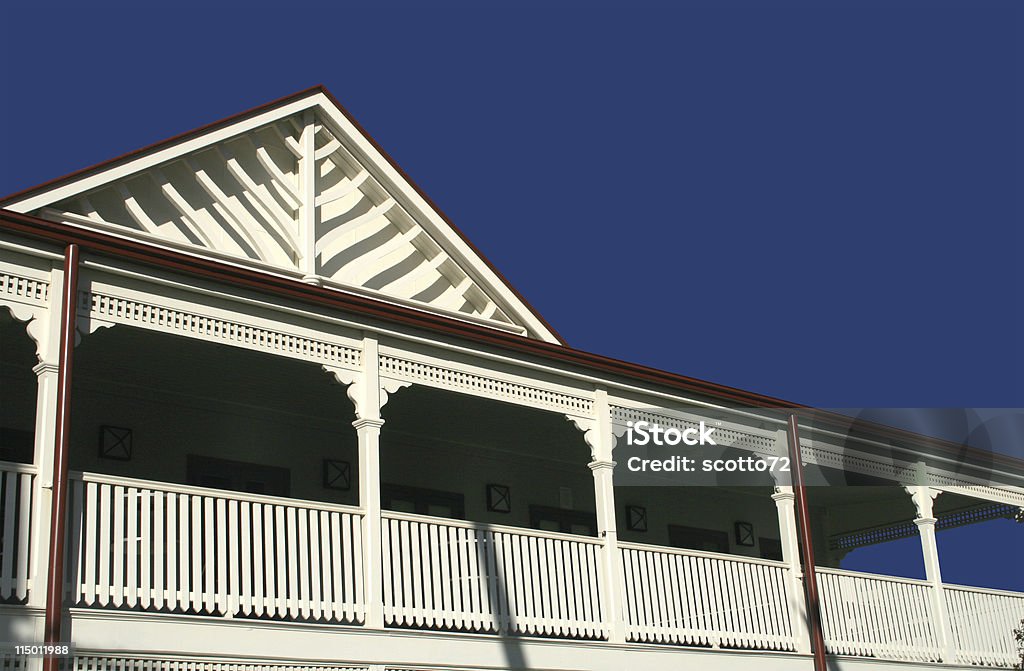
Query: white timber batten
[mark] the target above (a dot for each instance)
(307, 208)
(297, 190)
(360, 147)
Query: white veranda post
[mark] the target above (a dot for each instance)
(44, 329)
(601, 440)
(923, 498)
(785, 504)
(368, 393)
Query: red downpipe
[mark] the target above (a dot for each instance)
(59, 501)
(803, 528)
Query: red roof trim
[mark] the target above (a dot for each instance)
(20, 195)
(101, 243)
(440, 212)
(181, 137)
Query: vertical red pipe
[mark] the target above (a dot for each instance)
(803, 528)
(59, 500)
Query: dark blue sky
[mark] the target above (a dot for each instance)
(815, 201)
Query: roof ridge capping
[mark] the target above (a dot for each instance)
(541, 325)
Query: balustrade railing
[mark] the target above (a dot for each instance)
(447, 574)
(153, 546)
(701, 598)
(878, 616)
(982, 621)
(15, 525)
(163, 547)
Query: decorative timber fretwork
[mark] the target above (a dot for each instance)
(724, 434)
(93, 662)
(104, 309)
(27, 299)
(238, 197)
(294, 191)
(846, 459)
(24, 289)
(954, 518)
(480, 385)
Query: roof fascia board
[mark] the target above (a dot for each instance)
(130, 165)
(277, 285)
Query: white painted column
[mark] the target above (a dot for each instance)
(923, 498)
(368, 433)
(598, 434)
(369, 394)
(785, 505)
(45, 431)
(44, 330)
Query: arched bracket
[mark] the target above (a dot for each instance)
(601, 443)
(367, 404)
(389, 386)
(588, 426)
(923, 498)
(597, 429)
(24, 313)
(87, 325)
(36, 320)
(344, 376)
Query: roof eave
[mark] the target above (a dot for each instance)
(140, 252)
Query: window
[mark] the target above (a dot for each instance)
(238, 476)
(577, 522)
(771, 548)
(422, 501)
(693, 538)
(16, 445)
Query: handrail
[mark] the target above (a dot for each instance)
(103, 478)
(702, 553)
(874, 576)
(487, 526)
(983, 590)
(18, 467)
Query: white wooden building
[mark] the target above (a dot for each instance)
(271, 410)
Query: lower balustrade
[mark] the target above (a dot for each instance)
(160, 547)
(705, 599)
(15, 523)
(460, 576)
(981, 620)
(878, 616)
(152, 546)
